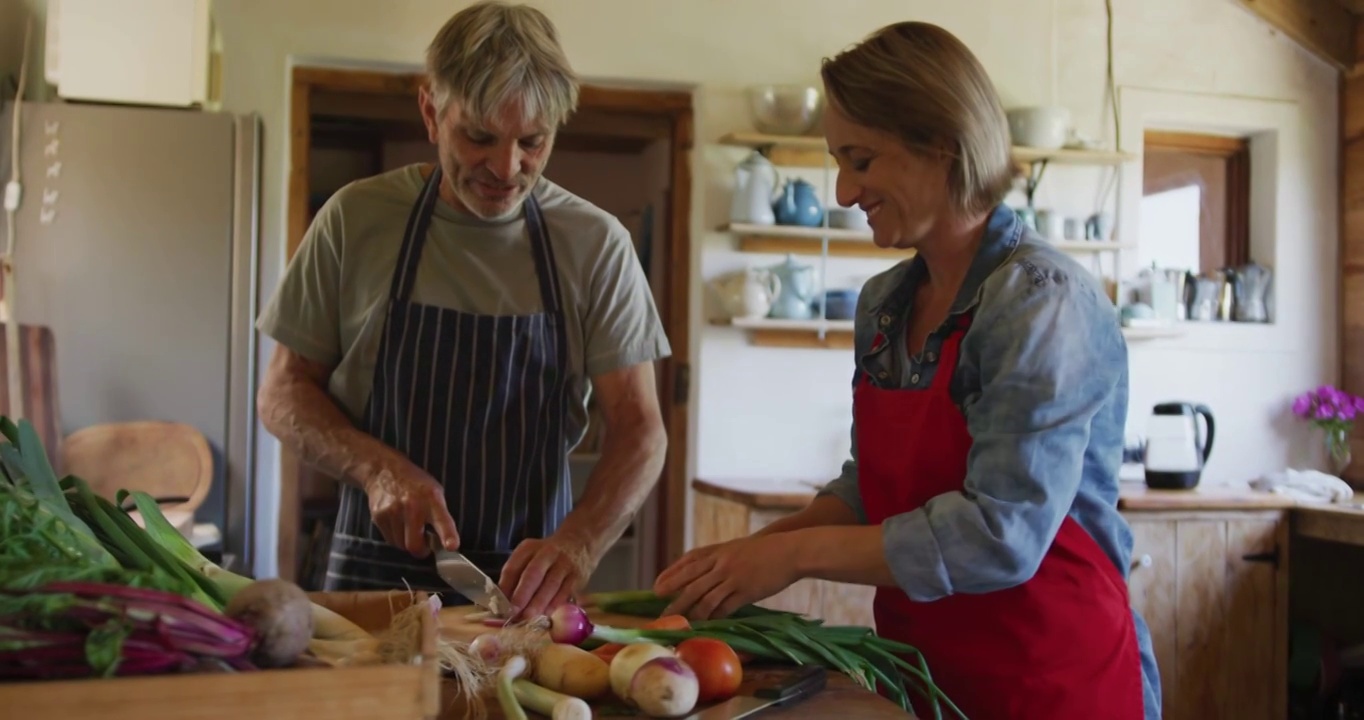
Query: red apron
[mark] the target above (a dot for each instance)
(1061, 646)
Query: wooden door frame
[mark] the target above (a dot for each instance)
(675, 107)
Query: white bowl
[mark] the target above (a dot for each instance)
(1043, 127)
(848, 218)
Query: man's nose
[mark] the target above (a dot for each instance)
(505, 161)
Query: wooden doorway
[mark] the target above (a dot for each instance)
(362, 110)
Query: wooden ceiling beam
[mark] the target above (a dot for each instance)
(1325, 27)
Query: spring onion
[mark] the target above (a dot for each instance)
(872, 661)
(547, 702)
(506, 695)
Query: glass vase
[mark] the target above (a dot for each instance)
(1338, 450)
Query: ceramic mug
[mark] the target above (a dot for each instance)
(1050, 224)
(1074, 229)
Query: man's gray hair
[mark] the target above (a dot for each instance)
(492, 52)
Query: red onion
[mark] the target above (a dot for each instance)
(568, 624)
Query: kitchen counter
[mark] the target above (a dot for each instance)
(841, 698)
(796, 494)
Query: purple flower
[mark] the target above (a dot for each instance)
(1329, 408)
(1302, 406)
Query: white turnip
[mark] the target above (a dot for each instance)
(664, 687)
(628, 660)
(282, 616)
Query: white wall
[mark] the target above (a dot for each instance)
(765, 414)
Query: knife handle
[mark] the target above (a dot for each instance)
(806, 681)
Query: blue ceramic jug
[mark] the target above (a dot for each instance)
(798, 205)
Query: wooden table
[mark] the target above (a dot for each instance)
(841, 698)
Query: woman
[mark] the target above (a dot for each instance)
(988, 411)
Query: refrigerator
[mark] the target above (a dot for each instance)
(137, 245)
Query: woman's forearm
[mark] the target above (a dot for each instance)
(850, 554)
(825, 510)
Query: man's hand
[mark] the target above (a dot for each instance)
(542, 574)
(714, 581)
(295, 407)
(403, 501)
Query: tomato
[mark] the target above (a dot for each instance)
(669, 622)
(717, 667)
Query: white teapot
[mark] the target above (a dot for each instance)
(748, 293)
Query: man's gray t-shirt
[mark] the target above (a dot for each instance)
(330, 305)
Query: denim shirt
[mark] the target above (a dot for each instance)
(1042, 381)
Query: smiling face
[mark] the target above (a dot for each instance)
(904, 193)
(489, 166)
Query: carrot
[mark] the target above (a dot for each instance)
(669, 622)
(608, 651)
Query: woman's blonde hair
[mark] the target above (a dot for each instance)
(492, 52)
(921, 84)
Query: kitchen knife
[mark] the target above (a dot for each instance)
(806, 681)
(468, 580)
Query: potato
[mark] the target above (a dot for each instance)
(572, 671)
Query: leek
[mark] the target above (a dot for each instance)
(327, 625)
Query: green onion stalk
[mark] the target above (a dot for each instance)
(872, 661)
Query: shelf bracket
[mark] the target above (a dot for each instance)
(1035, 171)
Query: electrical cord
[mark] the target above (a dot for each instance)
(13, 194)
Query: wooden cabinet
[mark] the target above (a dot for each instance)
(1213, 587)
(718, 519)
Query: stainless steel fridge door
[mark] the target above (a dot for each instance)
(136, 244)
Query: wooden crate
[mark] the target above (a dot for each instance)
(391, 692)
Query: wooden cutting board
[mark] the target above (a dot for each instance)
(841, 698)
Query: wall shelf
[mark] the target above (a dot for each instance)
(1090, 246)
(1152, 332)
(772, 332)
(812, 151)
(783, 239)
(838, 334)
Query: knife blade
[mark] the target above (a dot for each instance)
(467, 580)
(806, 681)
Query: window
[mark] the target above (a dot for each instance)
(1195, 207)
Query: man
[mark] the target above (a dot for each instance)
(441, 325)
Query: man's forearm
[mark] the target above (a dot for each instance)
(306, 420)
(631, 459)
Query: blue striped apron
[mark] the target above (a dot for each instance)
(479, 402)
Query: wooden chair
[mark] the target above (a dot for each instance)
(170, 461)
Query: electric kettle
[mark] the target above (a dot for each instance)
(1176, 447)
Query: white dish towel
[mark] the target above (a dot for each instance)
(1310, 486)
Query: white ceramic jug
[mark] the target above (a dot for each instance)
(755, 186)
(748, 293)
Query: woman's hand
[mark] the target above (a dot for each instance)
(714, 581)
